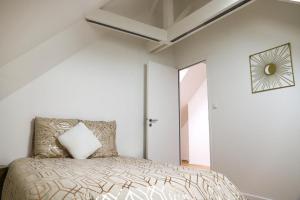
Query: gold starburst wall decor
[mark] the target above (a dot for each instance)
(272, 69)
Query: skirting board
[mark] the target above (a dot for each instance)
(254, 197)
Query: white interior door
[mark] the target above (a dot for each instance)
(162, 113)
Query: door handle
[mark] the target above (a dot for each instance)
(151, 121)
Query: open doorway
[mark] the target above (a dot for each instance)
(194, 123)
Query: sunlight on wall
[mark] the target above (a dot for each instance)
(195, 146)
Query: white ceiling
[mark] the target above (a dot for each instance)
(140, 10)
(151, 11)
(26, 24)
(174, 19)
(189, 5)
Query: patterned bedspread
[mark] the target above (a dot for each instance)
(112, 178)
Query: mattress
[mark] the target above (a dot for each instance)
(111, 179)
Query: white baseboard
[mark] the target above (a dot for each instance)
(254, 197)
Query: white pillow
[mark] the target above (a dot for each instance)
(80, 141)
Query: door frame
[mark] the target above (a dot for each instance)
(209, 111)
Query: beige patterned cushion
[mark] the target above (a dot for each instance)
(46, 132)
(106, 133)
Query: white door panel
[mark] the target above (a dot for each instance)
(162, 105)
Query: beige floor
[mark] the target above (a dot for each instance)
(186, 164)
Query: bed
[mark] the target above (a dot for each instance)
(112, 178)
(52, 174)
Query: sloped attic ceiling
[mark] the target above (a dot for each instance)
(183, 8)
(162, 22)
(35, 31)
(151, 11)
(26, 24)
(146, 11)
(37, 35)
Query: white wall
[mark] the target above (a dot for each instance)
(94, 84)
(255, 137)
(199, 148)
